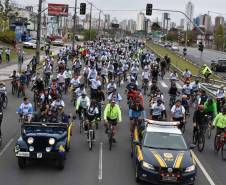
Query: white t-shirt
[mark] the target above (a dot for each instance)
(178, 112)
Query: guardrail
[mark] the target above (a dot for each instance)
(180, 72)
(196, 76)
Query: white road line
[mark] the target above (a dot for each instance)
(163, 84)
(6, 147)
(179, 86)
(100, 174)
(203, 169)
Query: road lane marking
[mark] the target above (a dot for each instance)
(6, 147)
(163, 84)
(100, 174)
(209, 179)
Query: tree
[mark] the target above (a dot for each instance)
(219, 37)
(89, 35)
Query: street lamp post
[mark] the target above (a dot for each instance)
(74, 26)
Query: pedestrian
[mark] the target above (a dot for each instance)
(33, 63)
(8, 52)
(1, 51)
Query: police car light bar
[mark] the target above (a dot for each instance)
(162, 123)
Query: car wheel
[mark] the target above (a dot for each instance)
(60, 164)
(137, 177)
(21, 162)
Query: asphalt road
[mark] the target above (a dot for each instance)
(208, 55)
(83, 167)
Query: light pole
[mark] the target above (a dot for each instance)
(90, 20)
(74, 25)
(38, 31)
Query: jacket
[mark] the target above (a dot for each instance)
(220, 121)
(112, 112)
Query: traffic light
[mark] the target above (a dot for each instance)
(149, 9)
(201, 46)
(82, 8)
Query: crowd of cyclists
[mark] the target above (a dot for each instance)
(94, 76)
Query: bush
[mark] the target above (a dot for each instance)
(87, 35)
(7, 36)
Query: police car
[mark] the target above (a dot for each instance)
(162, 155)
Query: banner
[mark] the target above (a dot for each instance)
(57, 10)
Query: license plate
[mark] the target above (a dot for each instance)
(23, 154)
(169, 178)
(39, 155)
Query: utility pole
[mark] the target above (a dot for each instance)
(90, 20)
(74, 26)
(186, 36)
(99, 22)
(38, 31)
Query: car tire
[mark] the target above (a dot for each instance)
(137, 178)
(21, 162)
(60, 163)
(67, 147)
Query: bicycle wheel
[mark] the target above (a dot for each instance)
(201, 143)
(80, 127)
(217, 143)
(5, 102)
(194, 137)
(110, 140)
(90, 141)
(183, 128)
(131, 147)
(223, 152)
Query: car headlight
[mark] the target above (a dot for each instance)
(147, 166)
(30, 140)
(190, 168)
(51, 141)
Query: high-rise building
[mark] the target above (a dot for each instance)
(189, 10)
(165, 20)
(131, 26)
(219, 20)
(182, 22)
(140, 21)
(123, 24)
(107, 21)
(205, 22)
(196, 21)
(173, 25)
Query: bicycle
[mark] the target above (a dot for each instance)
(91, 134)
(82, 121)
(15, 86)
(172, 100)
(199, 137)
(220, 144)
(145, 86)
(21, 90)
(110, 134)
(4, 98)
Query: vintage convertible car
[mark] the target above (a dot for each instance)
(43, 141)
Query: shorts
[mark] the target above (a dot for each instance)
(113, 121)
(134, 114)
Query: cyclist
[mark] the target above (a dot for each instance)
(220, 97)
(75, 82)
(210, 107)
(95, 83)
(91, 114)
(187, 75)
(26, 110)
(112, 114)
(199, 119)
(116, 96)
(145, 76)
(158, 110)
(136, 113)
(83, 102)
(1, 116)
(68, 76)
(173, 76)
(206, 71)
(178, 112)
(111, 86)
(187, 89)
(220, 122)
(173, 92)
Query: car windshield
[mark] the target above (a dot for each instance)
(167, 141)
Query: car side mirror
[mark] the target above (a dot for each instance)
(192, 146)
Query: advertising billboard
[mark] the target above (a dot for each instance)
(57, 9)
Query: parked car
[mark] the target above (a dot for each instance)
(58, 42)
(167, 45)
(218, 65)
(174, 48)
(33, 44)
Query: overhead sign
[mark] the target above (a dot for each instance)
(57, 9)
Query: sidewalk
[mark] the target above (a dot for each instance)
(6, 71)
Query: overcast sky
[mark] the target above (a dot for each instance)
(200, 6)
